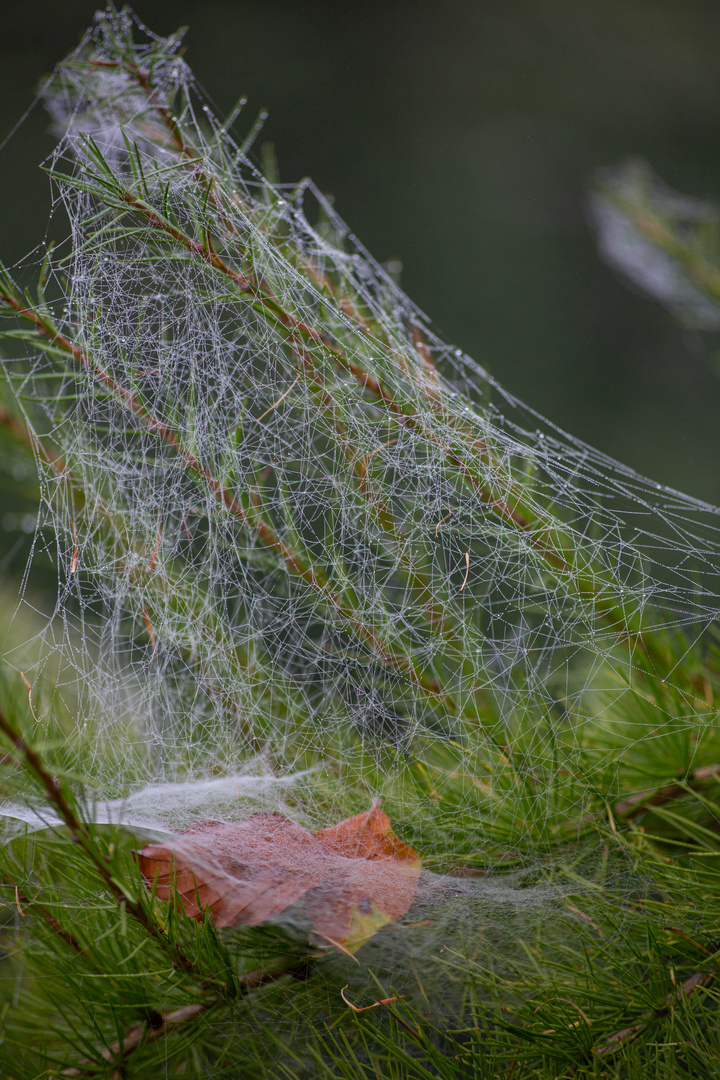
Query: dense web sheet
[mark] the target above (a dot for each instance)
(291, 525)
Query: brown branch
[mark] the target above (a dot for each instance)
(51, 784)
(539, 539)
(21, 433)
(48, 917)
(542, 543)
(56, 796)
(634, 804)
(264, 532)
(627, 1035)
(539, 536)
(159, 1025)
(380, 510)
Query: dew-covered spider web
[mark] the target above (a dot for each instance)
(303, 546)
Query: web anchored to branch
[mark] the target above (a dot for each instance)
(294, 528)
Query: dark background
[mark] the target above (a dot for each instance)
(459, 137)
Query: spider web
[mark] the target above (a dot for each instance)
(294, 530)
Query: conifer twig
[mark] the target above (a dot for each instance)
(48, 917)
(293, 561)
(160, 1025)
(540, 536)
(57, 797)
(627, 1035)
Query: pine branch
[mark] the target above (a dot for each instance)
(63, 804)
(310, 575)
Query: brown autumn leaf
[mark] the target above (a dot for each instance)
(355, 876)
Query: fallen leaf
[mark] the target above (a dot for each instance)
(355, 876)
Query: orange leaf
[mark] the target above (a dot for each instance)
(356, 876)
(375, 883)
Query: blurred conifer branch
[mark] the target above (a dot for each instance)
(665, 243)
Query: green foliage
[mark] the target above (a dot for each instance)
(565, 801)
(624, 959)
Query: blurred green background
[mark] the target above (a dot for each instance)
(459, 138)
